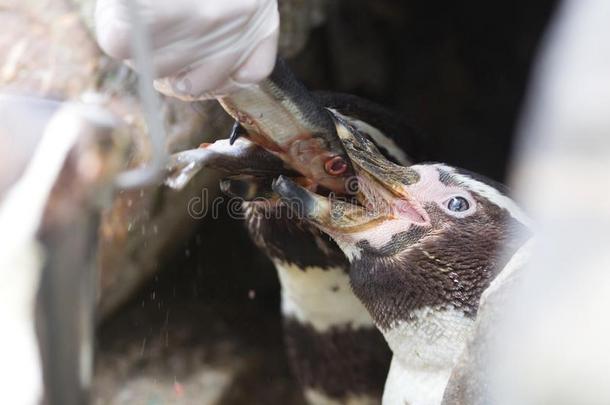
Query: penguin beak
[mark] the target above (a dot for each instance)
(378, 192)
(370, 166)
(286, 124)
(331, 215)
(374, 192)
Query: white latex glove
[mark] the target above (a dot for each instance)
(201, 48)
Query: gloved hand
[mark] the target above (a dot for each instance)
(201, 48)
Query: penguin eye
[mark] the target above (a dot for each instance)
(457, 204)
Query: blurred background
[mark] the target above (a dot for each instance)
(188, 309)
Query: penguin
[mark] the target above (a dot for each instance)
(334, 349)
(49, 218)
(424, 243)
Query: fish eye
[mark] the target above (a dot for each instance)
(458, 204)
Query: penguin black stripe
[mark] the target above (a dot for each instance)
(317, 358)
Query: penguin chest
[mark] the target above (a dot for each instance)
(321, 297)
(425, 349)
(410, 386)
(431, 338)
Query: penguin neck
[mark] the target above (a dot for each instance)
(312, 271)
(424, 327)
(290, 240)
(424, 324)
(407, 385)
(431, 340)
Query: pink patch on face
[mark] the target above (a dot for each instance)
(430, 189)
(409, 210)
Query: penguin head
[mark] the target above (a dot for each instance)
(426, 235)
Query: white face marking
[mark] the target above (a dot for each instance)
(405, 385)
(378, 236)
(315, 397)
(430, 189)
(320, 297)
(352, 252)
(489, 193)
(378, 137)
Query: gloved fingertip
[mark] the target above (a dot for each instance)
(171, 87)
(260, 63)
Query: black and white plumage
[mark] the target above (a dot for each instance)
(334, 348)
(424, 243)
